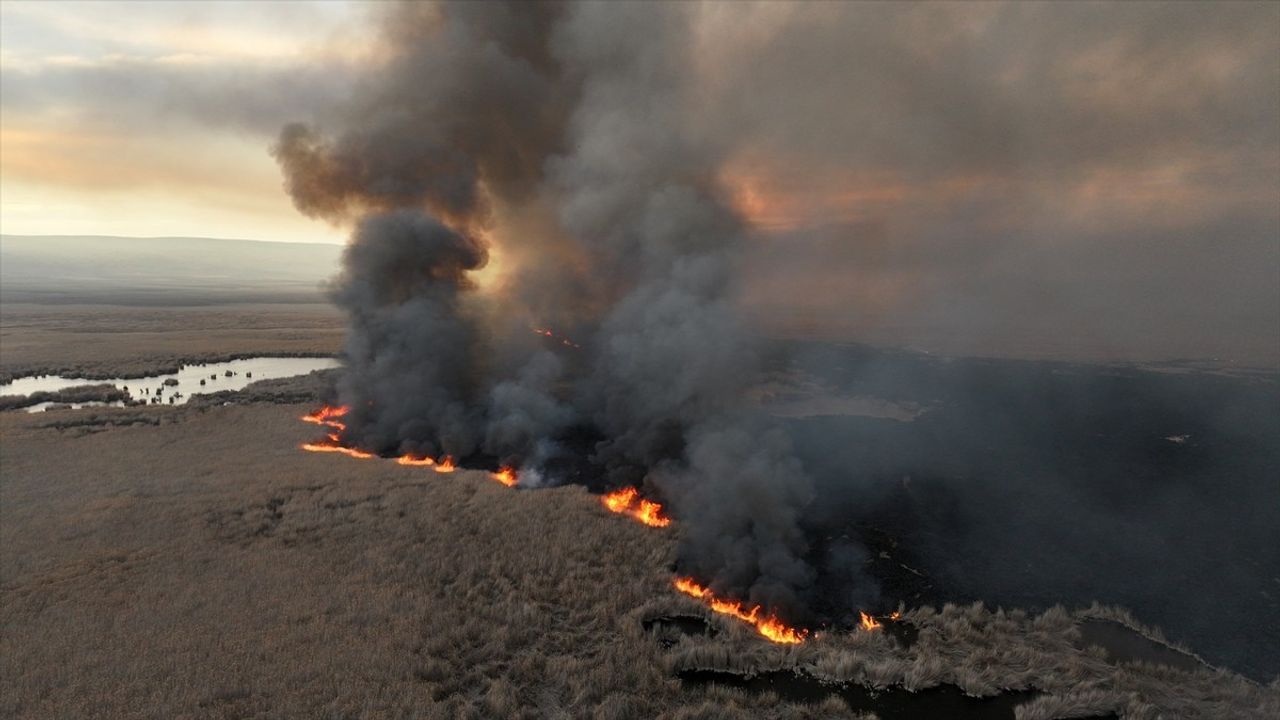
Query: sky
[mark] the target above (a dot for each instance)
(155, 118)
(957, 175)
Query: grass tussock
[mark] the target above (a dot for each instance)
(986, 652)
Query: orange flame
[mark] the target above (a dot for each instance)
(333, 440)
(325, 416)
(506, 476)
(624, 501)
(621, 500)
(867, 622)
(326, 448)
(770, 627)
(415, 461)
(445, 465)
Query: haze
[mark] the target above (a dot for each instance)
(1047, 180)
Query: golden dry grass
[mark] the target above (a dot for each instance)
(205, 567)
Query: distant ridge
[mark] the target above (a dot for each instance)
(173, 270)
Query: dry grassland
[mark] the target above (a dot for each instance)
(202, 566)
(106, 341)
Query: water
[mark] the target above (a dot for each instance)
(1125, 645)
(41, 407)
(180, 385)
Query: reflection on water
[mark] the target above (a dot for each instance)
(177, 388)
(1124, 645)
(41, 407)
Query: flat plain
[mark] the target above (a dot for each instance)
(191, 561)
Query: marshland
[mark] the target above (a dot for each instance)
(697, 360)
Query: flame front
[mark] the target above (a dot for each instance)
(627, 501)
(326, 414)
(770, 627)
(333, 440)
(506, 476)
(415, 461)
(867, 622)
(331, 448)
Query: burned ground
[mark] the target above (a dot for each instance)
(1028, 484)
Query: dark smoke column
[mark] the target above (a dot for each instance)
(463, 113)
(668, 383)
(572, 130)
(410, 340)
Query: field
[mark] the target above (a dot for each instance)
(115, 340)
(192, 562)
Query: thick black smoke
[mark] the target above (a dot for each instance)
(563, 133)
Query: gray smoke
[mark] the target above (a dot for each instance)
(563, 133)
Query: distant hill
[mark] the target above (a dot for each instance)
(177, 270)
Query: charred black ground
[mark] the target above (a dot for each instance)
(1027, 484)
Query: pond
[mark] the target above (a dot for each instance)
(1125, 645)
(177, 388)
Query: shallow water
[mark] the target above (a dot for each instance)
(185, 383)
(41, 407)
(1124, 645)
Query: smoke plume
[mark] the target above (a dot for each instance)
(560, 139)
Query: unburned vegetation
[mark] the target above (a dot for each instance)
(203, 566)
(95, 341)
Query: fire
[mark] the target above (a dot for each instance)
(506, 476)
(773, 629)
(770, 627)
(867, 622)
(332, 443)
(628, 501)
(412, 460)
(691, 588)
(650, 513)
(328, 448)
(325, 416)
(621, 500)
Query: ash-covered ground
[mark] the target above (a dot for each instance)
(1026, 484)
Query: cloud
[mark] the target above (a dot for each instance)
(1008, 174)
(910, 160)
